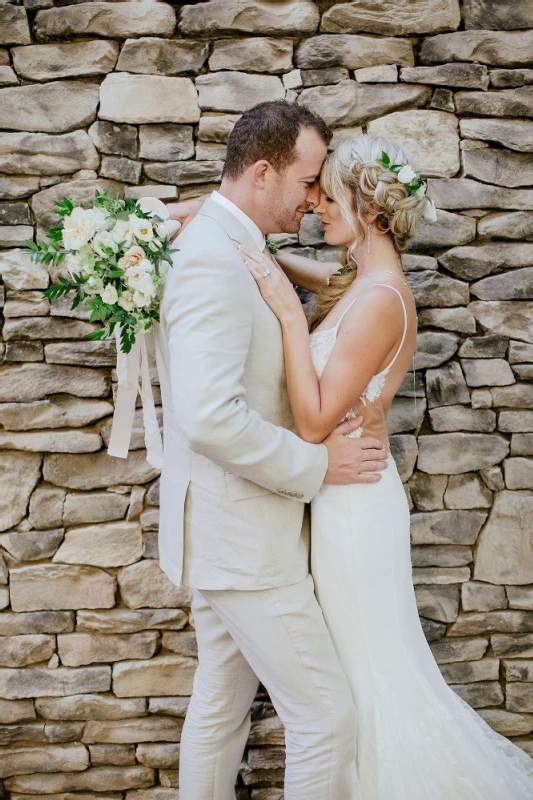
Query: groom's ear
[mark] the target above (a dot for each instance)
(260, 170)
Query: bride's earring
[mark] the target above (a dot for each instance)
(368, 240)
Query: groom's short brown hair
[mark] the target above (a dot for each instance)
(269, 131)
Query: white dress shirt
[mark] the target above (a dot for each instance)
(248, 223)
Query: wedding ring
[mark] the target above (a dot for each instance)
(266, 272)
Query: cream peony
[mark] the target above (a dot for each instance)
(142, 228)
(125, 301)
(142, 296)
(122, 232)
(103, 241)
(109, 295)
(78, 229)
(132, 257)
(406, 174)
(99, 218)
(136, 276)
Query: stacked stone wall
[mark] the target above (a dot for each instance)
(97, 647)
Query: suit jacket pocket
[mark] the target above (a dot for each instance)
(241, 489)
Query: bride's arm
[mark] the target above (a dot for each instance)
(364, 342)
(305, 272)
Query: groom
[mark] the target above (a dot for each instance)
(236, 479)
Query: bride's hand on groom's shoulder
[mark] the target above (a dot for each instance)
(184, 212)
(276, 289)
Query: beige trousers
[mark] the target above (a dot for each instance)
(279, 637)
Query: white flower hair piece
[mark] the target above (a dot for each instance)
(413, 182)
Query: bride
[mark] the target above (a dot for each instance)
(417, 740)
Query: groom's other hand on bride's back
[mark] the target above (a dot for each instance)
(354, 460)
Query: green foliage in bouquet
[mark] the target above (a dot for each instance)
(116, 256)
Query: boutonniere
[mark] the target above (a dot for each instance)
(271, 246)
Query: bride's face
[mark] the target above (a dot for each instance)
(336, 231)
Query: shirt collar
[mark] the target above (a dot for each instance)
(248, 223)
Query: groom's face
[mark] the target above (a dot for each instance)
(296, 190)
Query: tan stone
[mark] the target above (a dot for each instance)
(36, 681)
(19, 651)
(236, 91)
(59, 586)
(480, 695)
(216, 128)
(506, 723)
(99, 779)
(449, 230)
(89, 706)
(427, 491)
(420, 16)
(47, 758)
(79, 191)
(93, 507)
(20, 273)
(106, 19)
(253, 55)
(147, 729)
(15, 188)
(97, 471)
(430, 136)
(455, 453)
(153, 56)
(19, 473)
(499, 166)
(352, 52)
(446, 527)
(55, 412)
(29, 382)
(505, 103)
(79, 649)
(505, 317)
(49, 107)
(505, 621)
(166, 142)
(148, 98)
(467, 491)
(171, 706)
(146, 585)
(185, 172)
(466, 76)
(440, 603)
(487, 372)
(15, 28)
(464, 193)
(53, 442)
(106, 545)
(16, 711)
(293, 17)
(45, 154)
(487, 669)
(500, 48)
(519, 475)
(446, 419)
(161, 676)
(12, 624)
(47, 62)
(514, 133)
(404, 450)
(519, 697)
(119, 755)
(159, 756)
(448, 652)
(32, 545)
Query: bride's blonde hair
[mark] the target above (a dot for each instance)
(373, 190)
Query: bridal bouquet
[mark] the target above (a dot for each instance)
(116, 255)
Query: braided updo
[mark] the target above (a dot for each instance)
(373, 190)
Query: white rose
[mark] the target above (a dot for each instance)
(103, 241)
(72, 264)
(78, 228)
(142, 297)
(132, 257)
(125, 301)
(136, 276)
(99, 218)
(109, 295)
(406, 174)
(142, 228)
(122, 232)
(430, 212)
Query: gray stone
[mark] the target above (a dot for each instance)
(321, 77)
(515, 134)
(80, 649)
(514, 225)
(508, 318)
(515, 285)
(46, 328)
(498, 48)
(518, 474)
(15, 235)
(94, 507)
(114, 20)
(160, 191)
(519, 396)
(446, 527)
(24, 351)
(97, 779)
(183, 173)
(487, 669)
(148, 98)
(58, 411)
(493, 478)
(506, 78)
(16, 711)
(506, 723)
(446, 386)
(166, 142)
(384, 74)
(433, 349)
(60, 586)
(14, 188)
(506, 621)
(440, 603)
(477, 596)
(431, 288)
(119, 755)
(160, 676)
(47, 758)
(12, 624)
(159, 756)
(210, 151)
(47, 62)
(295, 17)
(113, 545)
(350, 103)
(461, 418)
(499, 167)
(25, 304)
(32, 545)
(520, 597)
(422, 16)
(51, 442)
(54, 107)
(504, 554)
(15, 28)
(492, 346)
(467, 491)
(15, 214)
(417, 263)
(441, 556)
(405, 415)
(442, 100)
(121, 169)
(352, 52)
(20, 651)
(236, 91)
(522, 444)
(465, 76)
(120, 140)
(145, 585)
(91, 354)
(19, 473)
(39, 682)
(216, 128)
(455, 453)
(8, 77)
(404, 450)
(427, 491)
(153, 56)
(487, 372)
(505, 103)
(253, 55)
(519, 697)
(124, 620)
(80, 191)
(171, 706)
(451, 319)
(460, 650)
(430, 136)
(513, 646)
(498, 14)
(97, 470)
(448, 230)
(44, 154)
(480, 695)
(464, 193)
(29, 382)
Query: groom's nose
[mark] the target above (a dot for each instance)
(313, 194)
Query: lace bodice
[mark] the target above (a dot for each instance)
(322, 343)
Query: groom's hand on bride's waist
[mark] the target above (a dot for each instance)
(354, 460)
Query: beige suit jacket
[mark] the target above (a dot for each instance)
(235, 477)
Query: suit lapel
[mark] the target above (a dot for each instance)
(236, 231)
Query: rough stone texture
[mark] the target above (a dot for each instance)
(81, 591)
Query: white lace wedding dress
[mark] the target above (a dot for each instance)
(417, 739)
